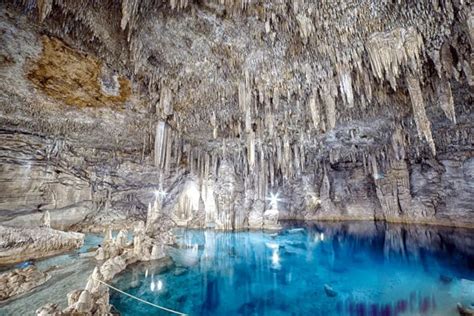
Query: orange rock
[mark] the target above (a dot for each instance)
(74, 77)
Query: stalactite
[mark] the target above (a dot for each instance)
(44, 8)
(445, 98)
(346, 86)
(328, 94)
(162, 144)
(276, 98)
(306, 26)
(251, 150)
(166, 101)
(214, 125)
(398, 144)
(423, 124)
(389, 52)
(315, 109)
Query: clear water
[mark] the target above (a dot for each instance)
(90, 241)
(70, 272)
(374, 269)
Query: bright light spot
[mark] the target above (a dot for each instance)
(276, 259)
(318, 237)
(159, 285)
(152, 286)
(160, 193)
(191, 192)
(274, 200)
(272, 245)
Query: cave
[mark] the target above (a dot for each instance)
(236, 157)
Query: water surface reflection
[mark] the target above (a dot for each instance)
(358, 268)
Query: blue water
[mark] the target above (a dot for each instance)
(90, 241)
(372, 269)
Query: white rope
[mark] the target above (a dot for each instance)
(139, 299)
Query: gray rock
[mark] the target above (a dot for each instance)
(330, 292)
(20, 244)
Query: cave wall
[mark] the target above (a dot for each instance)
(82, 188)
(100, 106)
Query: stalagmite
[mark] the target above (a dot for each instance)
(198, 113)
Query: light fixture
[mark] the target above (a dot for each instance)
(160, 193)
(273, 200)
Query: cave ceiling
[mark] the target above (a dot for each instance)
(334, 73)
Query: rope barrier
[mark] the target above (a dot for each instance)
(139, 299)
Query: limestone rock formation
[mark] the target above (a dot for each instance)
(116, 255)
(49, 309)
(349, 109)
(20, 281)
(46, 220)
(20, 244)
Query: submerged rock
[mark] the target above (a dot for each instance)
(295, 230)
(465, 310)
(445, 279)
(329, 291)
(180, 271)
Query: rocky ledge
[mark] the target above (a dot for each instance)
(20, 244)
(150, 243)
(20, 281)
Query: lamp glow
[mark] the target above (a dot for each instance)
(160, 193)
(274, 200)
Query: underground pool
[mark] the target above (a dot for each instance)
(355, 268)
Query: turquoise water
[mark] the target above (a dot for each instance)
(90, 241)
(367, 269)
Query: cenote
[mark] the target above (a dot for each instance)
(353, 268)
(236, 157)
